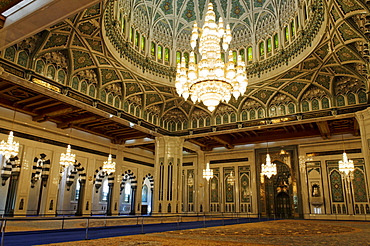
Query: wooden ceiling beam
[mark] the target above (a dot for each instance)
(223, 141)
(324, 129)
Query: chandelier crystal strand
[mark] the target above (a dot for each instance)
(211, 80)
(269, 169)
(109, 166)
(67, 159)
(207, 173)
(10, 147)
(346, 166)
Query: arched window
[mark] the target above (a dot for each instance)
(51, 72)
(92, 90)
(152, 49)
(142, 43)
(103, 96)
(110, 99)
(340, 100)
(40, 67)
(351, 99)
(159, 52)
(233, 117)
(244, 115)
(315, 104)
(194, 123)
(362, 97)
(179, 127)
(262, 49)
(305, 106)
(282, 110)
(242, 54)
(208, 121)
(22, 58)
(325, 103)
(201, 122)
(292, 28)
(117, 102)
(218, 120)
(269, 45)
(83, 87)
(61, 76)
(276, 41)
(252, 114)
(10, 54)
(75, 83)
(132, 36)
(225, 118)
(125, 106)
(137, 36)
(261, 113)
(178, 57)
(286, 31)
(291, 108)
(137, 111)
(167, 55)
(273, 111)
(235, 56)
(186, 57)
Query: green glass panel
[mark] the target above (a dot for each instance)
(167, 54)
(244, 115)
(252, 114)
(351, 99)
(110, 99)
(286, 29)
(137, 39)
(84, 88)
(325, 103)
(305, 106)
(61, 76)
(362, 97)
(262, 49)
(178, 57)
(292, 28)
(242, 54)
(223, 57)
(92, 91)
(276, 41)
(142, 43)
(340, 100)
(51, 72)
(235, 56)
(40, 66)
(23, 59)
(315, 104)
(159, 52)
(250, 53)
(117, 101)
(291, 108)
(75, 83)
(186, 57)
(132, 34)
(269, 46)
(10, 54)
(152, 48)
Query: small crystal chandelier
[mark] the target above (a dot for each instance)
(211, 80)
(231, 179)
(67, 159)
(346, 166)
(109, 166)
(207, 173)
(269, 168)
(10, 147)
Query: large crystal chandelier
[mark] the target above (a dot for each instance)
(10, 147)
(207, 173)
(211, 80)
(269, 168)
(67, 159)
(109, 166)
(346, 166)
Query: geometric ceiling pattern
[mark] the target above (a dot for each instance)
(336, 65)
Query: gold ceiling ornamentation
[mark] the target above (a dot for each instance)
(211, 80)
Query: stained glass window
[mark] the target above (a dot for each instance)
(262, 49)
(167, 54)
(269, 46)
(142, 43)
(152, 49)
(250, 54)
(276, 41)
(159, 52)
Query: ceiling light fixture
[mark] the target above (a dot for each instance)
(10, 147)
(269, 169)
(346, 166)
(67, 159)
(211, 80)
(207, 173)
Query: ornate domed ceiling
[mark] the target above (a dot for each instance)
(330, 43)
(170, 22)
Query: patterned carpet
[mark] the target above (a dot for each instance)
(282, 232)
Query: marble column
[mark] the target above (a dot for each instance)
(167, 178)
